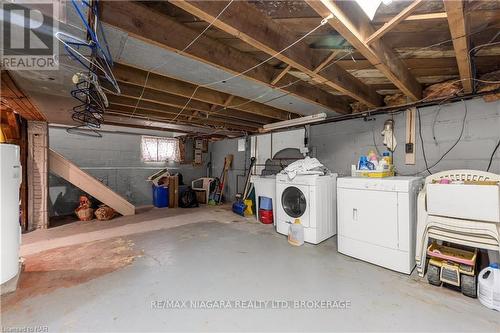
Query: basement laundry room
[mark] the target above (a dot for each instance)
(250, 166)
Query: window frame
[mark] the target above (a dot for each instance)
(158, 140)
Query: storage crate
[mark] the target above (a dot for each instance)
(372, 173)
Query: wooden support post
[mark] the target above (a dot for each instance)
(38, 216)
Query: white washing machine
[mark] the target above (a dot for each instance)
(377, 220)
(310, 198)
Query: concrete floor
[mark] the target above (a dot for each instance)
(211, 254)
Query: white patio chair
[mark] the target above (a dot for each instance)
(460, 230)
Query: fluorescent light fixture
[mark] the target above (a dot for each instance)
(369, 7)
(294, 122)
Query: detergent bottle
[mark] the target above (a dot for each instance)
(488, 290)
(362, 164)
(296, 233)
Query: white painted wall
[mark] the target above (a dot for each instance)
(338, 145)
(265, 146)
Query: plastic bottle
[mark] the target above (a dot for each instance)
(296, 233)
(362, 163)
(489, 287)
(387, 157)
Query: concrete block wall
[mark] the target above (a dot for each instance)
(338, 145)
(241, 161)
(115, 159)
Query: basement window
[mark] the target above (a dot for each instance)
(158, 149)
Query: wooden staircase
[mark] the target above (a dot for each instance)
(76, 176)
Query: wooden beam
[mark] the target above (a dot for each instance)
(197, 120)
(281, 74)
(119, 110)
(178, 102)
(132, 75)
(355, 27)
(458, 30)
(143, 107)
(246, 22)
(394, 21)
(12, 96)
(327, 60)
(428, 16)
(146, 24)
(228, 101)
(126, 120)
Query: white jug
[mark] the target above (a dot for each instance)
(488, 290)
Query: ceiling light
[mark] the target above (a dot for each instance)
(369, 7)
(294, 122)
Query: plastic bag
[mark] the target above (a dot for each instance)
(296, 233)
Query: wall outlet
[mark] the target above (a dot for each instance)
(409, 148)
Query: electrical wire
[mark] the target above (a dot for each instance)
(284, 86)
(322, 23)
(422, 141)
(281, 87)
(374, 141)
(439, 106)
(332, 63)
(182, 51)
(270, 91)
(492, 155)
(427, 167)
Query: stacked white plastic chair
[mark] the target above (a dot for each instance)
(202, 184)
(464, 231)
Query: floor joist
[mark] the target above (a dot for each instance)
(355, 27)
(146, 23)
(244, 21)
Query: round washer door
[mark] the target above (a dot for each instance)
(293, 202)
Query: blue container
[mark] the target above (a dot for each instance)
(266, 203)
(239, 208)
(160, 196)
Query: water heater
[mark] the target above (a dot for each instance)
(10, 230)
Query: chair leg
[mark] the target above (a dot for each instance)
(423, 255)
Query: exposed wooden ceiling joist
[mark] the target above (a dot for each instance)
(163, 31)
(124, 110)
(428, 16)
(126, 120)
(483, 64)
(135, 76)
(12, 97)
(459, 31)
(128, 90)
(394, 21)
(327, 60)
(244, 21)
(145, 104)
(355, 27)
(281, 74)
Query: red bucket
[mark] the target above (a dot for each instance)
(266, 216)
